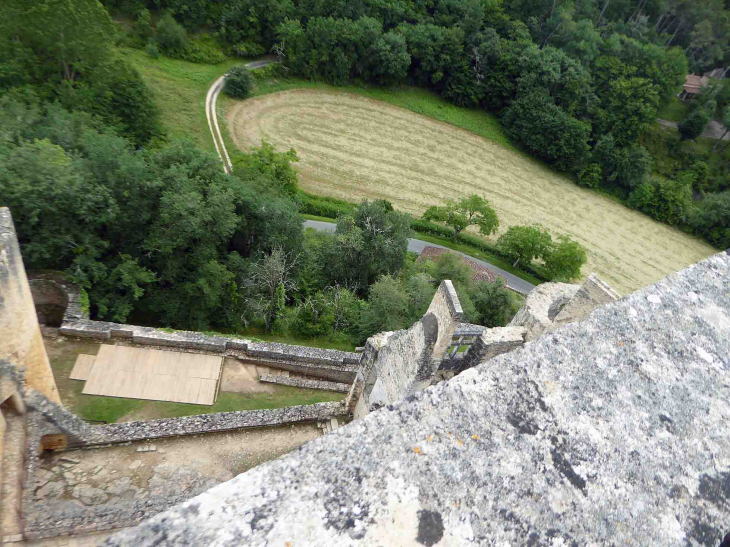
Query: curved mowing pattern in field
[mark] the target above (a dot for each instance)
(352, 147)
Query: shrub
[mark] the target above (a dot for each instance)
(238, 82)
(247, 49)
(590, 176)
(170, 34)
(152, 50)
(324, 206)
(201, 49)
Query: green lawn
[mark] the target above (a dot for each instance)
(63, 353)
(180, 88)
(674, 110)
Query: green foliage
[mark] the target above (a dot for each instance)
(626, 166)
(547, 131)
(525, 243)
(170, 34)
(246, 49)
(199, 49)
(143, 26)
(152, 50)
(591, 175)
(711, 219)
(238, 82)
(564, 259)
(57, 39)
(663, 199)
(493, 303)
(696, 121)
(323, 206)
(370, 243)
(468, 211)
(267, 167)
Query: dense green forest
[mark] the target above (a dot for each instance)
(157, 234)
(577, 84)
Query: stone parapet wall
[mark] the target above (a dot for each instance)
(21, 342)
(493, 342)
(591, 295)
(610, 431)
(308, 384)
(335, 365)
(48, 418)
(336, 372)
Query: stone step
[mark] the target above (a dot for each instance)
(11, 474)
(334, 424)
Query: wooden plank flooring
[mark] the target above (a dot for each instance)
(136, 373)
(82, 367)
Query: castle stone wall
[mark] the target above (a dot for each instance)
(20, 335)
(610, 431)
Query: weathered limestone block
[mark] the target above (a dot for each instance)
(542, 305)
(300, 382)
(494, 342)
(591, 295)
(20, 335)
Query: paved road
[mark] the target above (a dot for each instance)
(714, 130)
(416, 246)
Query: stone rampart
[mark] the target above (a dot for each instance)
(20, 335)
(333, 365)
(397, 364)
(592, 294)
(611, 431)
(300, 382)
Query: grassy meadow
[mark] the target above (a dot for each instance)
(355, 146)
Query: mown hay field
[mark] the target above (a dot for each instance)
(352, 147)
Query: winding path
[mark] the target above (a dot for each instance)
(211, 113)
(414, 245)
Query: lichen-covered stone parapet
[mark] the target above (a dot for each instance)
(20, 335)
(308, 384)
(592, 294)
(542, 305)
(611, 431)
(493, 342)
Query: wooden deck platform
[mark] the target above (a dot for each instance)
(136, 373)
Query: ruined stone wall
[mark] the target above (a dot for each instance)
(329, 364)
(20, 335)
(303, 383)
(397, 364)
(610, 431)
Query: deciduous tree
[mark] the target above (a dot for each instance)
(468, 211)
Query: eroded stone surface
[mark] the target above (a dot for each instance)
(608, 432)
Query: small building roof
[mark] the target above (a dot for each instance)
(693, 83)
(478, 272)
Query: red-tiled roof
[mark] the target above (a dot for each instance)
(478, 272)
(693, 83)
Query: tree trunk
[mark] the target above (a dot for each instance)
(550, 36)
(600, 17)
(720, 140)
(671, 39)
(516, 262)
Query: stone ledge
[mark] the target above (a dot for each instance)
(102, 330)
(308, 384)
(612, 431)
